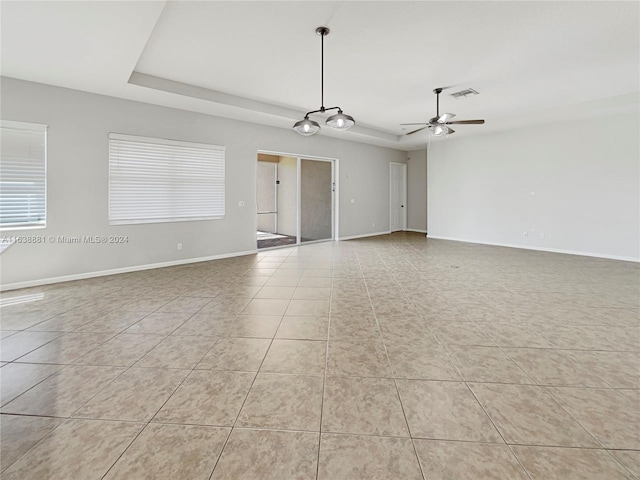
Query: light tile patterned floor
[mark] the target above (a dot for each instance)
(392, 357)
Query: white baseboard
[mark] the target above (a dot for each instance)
(115, 271)
(353, 237)
(541, 249)
(415, 230)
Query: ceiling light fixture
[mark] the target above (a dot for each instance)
(338, 121)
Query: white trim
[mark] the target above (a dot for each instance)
(375, 234)
(166, 141)
(415, 230)
(115, 271)
(542, 249)
(35, 127)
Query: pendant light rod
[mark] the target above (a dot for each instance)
(323, 32)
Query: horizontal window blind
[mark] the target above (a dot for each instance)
(155, 180)
(23, 175)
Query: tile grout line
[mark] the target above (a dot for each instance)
(233, 426)
(395, 384)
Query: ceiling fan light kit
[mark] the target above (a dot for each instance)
(437, 126)
(339, 121)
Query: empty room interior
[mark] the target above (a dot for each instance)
(331, 240)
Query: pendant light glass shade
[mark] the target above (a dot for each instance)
(340, 121)
(306, 127)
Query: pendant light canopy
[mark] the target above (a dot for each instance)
(338, 121)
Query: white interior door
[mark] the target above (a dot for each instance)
(398, 196)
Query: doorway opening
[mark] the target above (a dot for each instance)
(296, 199)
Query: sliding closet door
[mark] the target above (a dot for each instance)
(316, 200)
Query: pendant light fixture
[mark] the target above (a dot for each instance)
(338, 121)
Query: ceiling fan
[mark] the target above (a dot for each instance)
(438, 125)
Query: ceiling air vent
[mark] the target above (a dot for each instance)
(464, 93)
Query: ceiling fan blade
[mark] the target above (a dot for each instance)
(466, 122)
(445, 117)
(415, 131)
(421, 123)
(450, 131)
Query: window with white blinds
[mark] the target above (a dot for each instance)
(23, 175)
(155, 180)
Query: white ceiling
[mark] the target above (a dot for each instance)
(260, 61)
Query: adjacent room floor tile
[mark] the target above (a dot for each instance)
(351, 457)
(456, 460)
(76, 449)
(444, 410)
(268, 455)
(362, 406)
(171, 452)
(291, 402)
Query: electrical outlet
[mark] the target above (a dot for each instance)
(179, 246)
(541, 235)
(374, 224)
(525, 234)
(241, 203)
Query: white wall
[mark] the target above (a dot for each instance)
(417, 190)
(570, 186)
(288, 196)
(79, 124)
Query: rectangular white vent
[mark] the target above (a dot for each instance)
(464, 93)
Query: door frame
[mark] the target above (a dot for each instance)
(335, 197)
(404, 195)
